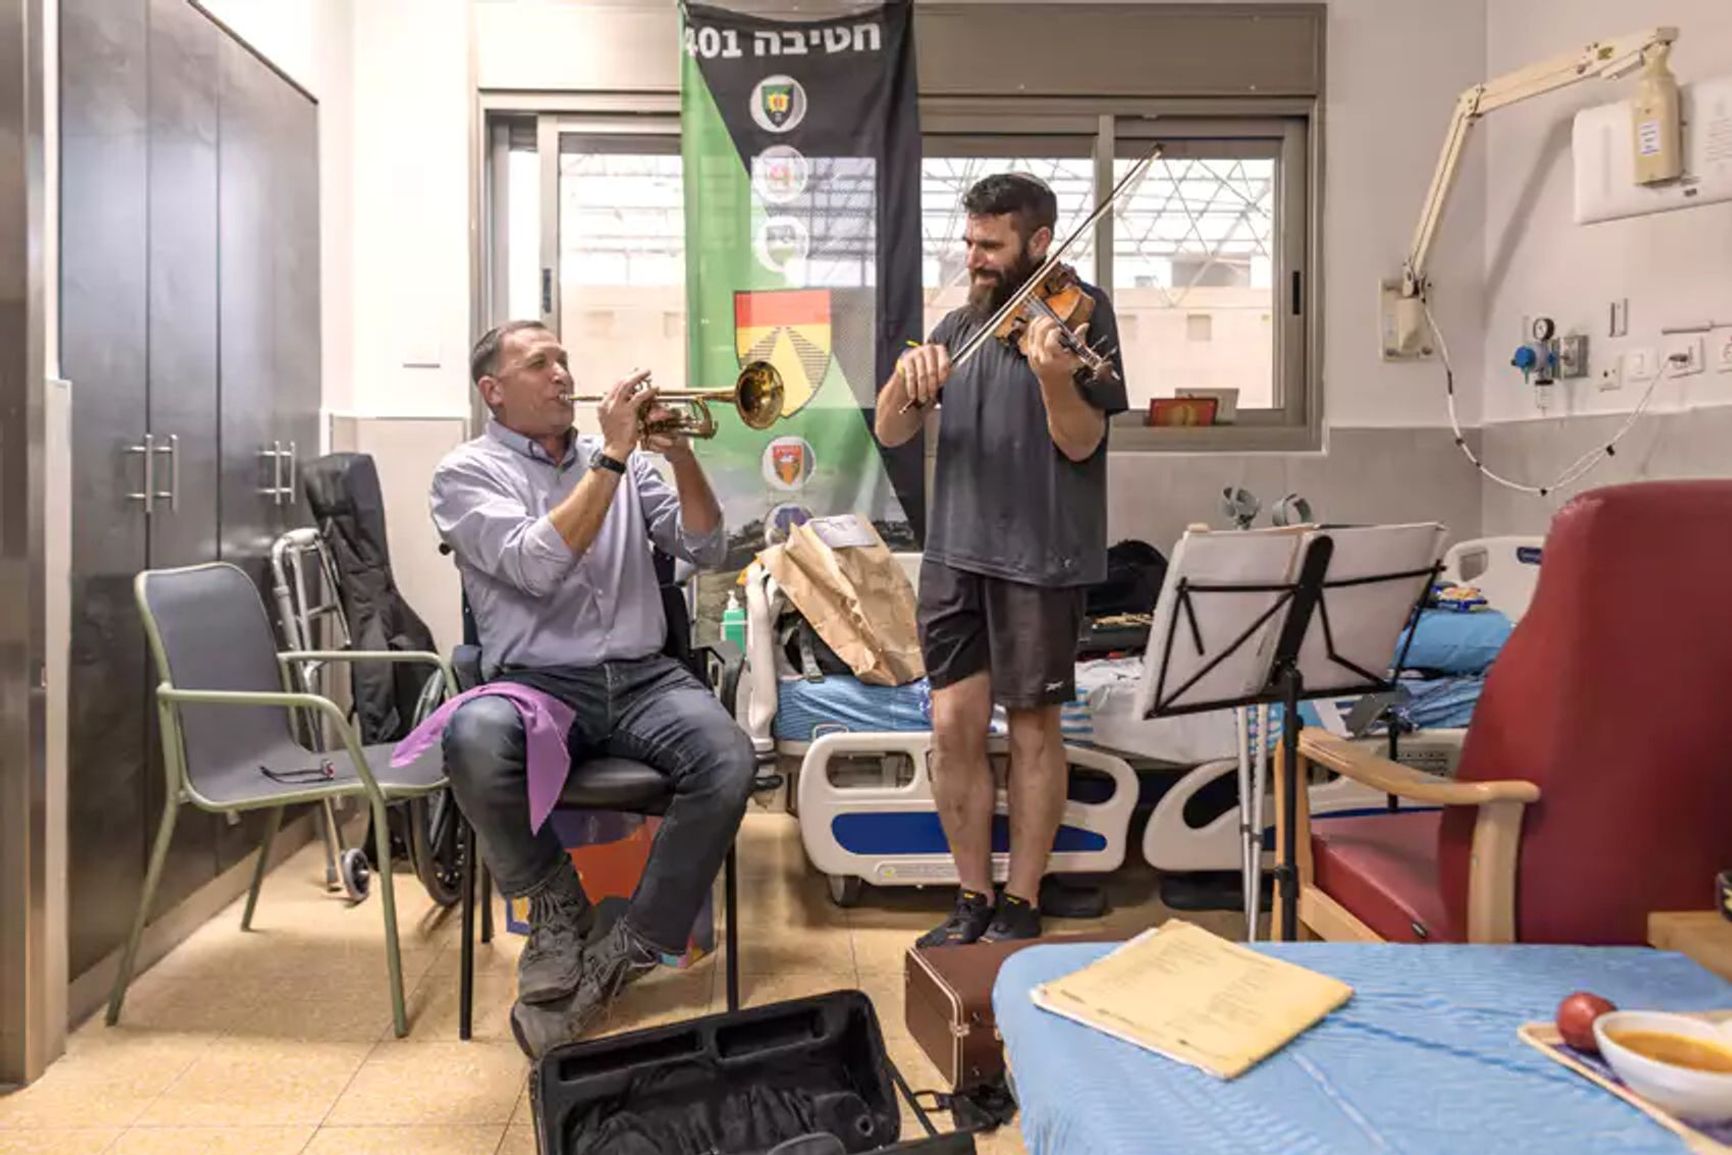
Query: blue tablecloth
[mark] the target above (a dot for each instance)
(1423, 1058)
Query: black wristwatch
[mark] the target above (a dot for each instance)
(603, 461)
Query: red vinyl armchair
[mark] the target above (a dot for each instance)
(1595, 783)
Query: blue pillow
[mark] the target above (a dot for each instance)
(1455, 643)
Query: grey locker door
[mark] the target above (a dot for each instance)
(297, 262)
(253, 468)
(269, 304)
(183, 355)
(104, 152)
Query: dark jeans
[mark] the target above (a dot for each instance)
(651, 710)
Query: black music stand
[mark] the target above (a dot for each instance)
(1290, 615)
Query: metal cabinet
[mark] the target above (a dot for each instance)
(189, 305)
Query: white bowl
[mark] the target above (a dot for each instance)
(1700, 1096)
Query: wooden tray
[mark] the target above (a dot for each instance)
(1709, 1140)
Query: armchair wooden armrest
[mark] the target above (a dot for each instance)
(1363, 766)
(1496, 833)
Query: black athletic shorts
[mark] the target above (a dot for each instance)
(1026, 635)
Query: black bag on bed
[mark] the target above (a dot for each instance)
(805, 650)
(1135, 571)
(800, 1077)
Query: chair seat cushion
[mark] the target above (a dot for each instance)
(1383, 869)
(244, 785)
(616, 784)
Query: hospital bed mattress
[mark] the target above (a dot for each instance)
(1102, 713)
(1423, 1059)
(838, 704)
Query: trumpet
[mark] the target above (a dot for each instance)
(757, 394)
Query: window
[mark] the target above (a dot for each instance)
(1205, 258)
(948, 168)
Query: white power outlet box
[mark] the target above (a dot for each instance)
(1639, 365)
(1684, 356)
(1723, 351)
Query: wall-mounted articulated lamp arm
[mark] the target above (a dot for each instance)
(1603, 59)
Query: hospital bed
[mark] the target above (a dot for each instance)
(864, 801)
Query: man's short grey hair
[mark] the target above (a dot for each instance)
(484, 357)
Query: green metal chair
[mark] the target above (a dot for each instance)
(229, 741)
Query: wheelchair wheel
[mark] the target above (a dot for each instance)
(435, 850)
(357, 875)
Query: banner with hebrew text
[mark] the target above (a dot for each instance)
(800, 150)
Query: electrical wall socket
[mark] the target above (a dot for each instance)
(1638, 365)
(1723, 350)
(1689, 348)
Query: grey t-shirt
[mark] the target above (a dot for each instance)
(1006, 501)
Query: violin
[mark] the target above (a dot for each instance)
(1054, 291)
(1060, 296)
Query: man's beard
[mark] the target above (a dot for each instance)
(988, 297)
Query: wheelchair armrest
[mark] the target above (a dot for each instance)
(466, 664)
(725, 662)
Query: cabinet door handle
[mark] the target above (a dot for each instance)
(173, 451)
(275, 489)
(289, 493)
(147, 448)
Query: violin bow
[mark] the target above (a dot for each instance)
(1038, 277)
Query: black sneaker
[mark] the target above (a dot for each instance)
(1016, 918)
(560, 917)
(609, 966)
(973, 914)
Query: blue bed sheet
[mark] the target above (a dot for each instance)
(1424, 1058)
(806, 711)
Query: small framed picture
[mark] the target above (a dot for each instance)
(1226, 402)
(1182, 411)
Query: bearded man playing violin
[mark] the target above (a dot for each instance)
(552, 533)
(1016, 533)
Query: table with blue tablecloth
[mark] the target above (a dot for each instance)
(1423, 1058)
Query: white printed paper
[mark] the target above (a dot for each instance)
(843, 531)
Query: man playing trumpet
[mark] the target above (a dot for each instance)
(552, 534)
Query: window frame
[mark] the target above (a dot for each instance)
(1104, 128)
(977, 125)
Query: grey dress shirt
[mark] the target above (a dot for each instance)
(536, 603)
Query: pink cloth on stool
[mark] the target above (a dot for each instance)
(546, 730)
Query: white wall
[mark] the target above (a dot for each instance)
(1674, 268)
(412, 198)
(312, 41)
(1387, 108)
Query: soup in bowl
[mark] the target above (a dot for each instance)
(1680, 1063)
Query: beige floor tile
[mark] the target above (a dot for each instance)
(213, 1141)
(434, 1005)
(77, 1142)
(463, 1140)
(518, 1141)
(425, 1084)
(1006, 1140)
(242, 1082)
(886, 993)
(103, 1081)
(760, 990)
(521, 1117)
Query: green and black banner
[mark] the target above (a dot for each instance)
(801, 162)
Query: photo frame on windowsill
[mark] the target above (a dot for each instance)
(1182, 411)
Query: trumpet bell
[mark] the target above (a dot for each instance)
(759, 394)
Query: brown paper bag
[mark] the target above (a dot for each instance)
(841, 576)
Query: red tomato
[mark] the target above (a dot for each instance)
(1576, 1015)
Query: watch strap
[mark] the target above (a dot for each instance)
(603, 461)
